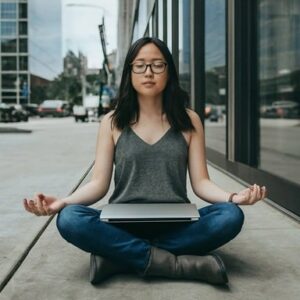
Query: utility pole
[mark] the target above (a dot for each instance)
(83, 76)
(17, 83)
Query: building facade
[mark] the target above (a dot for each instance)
(14, 79)
(30, 44)
(239, 61)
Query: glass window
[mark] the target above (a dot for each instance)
(23, 28)
(23, 61)
(184, 45)
(8, 28)
(279, 87)
(23, 10)
(143, 17)
(9, 81)
(9, 63)
(150, 26)
(8, 45)
(8, 10)
(160, 20)
(9, 94)
(169, 24)
(23, 45)
(215, 75)
(23, 79)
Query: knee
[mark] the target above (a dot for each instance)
(67, 219)
(233, 218)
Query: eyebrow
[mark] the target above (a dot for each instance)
(142, 59)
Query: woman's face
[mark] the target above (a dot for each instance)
(149, 83)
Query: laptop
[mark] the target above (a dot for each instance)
(149, 212)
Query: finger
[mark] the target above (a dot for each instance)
(26, 206)
(264, 192)
(41, 196)
(253, 195)
(40, 206)
(261, 190)
(32, 207)
(258, 193)
(38, 203)
(46, 208)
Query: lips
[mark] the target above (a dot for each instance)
(148, 83)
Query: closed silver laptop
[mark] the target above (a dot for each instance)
(149, 212)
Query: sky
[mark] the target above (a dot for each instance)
(80, 28)
(45, 38)
(55, 28)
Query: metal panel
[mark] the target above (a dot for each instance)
(230, 80)
(197, 57)
(245, 79)
(175, 33)
(165, 16)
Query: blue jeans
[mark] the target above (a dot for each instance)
(129, 244)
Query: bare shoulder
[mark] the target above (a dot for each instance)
(106, 122)
(110, 127)
(108, 117)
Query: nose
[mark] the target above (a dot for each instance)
(148, 71)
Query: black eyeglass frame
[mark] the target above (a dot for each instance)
(149, 65)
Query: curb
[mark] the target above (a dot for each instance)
(14, 130)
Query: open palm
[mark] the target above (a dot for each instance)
(43, 205)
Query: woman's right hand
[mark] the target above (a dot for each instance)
(43, 205)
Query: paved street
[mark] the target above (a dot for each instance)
(262, 262)
(51, 159)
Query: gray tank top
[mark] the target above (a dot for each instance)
(147, 173)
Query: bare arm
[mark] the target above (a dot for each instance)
(91, 192)
(202, 186)
(97, 188)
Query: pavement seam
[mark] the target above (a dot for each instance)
(23, 256)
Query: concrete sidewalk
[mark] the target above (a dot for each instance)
(262, 263)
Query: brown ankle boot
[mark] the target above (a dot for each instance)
(209, 268)
(102, 268)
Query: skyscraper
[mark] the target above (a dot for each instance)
(14, 79)
(30, 46)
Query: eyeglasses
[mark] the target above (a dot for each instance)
(156, 67)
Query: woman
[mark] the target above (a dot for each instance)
(152, 139)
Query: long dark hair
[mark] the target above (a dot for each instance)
(175, 99)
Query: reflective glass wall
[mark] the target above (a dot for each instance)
(215, 75)
(262, 129)
(184, 45)
(14, 80)
(279, 87)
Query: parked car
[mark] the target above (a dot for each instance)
(18, 113)
(31, 108)
(55, 108)
(214, 112)
(281, 109)
(12, 112)
(5, 113)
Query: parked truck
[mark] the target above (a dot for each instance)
(88, 111)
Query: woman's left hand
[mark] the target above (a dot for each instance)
(250, 195)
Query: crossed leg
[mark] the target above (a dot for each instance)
(130, 244)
